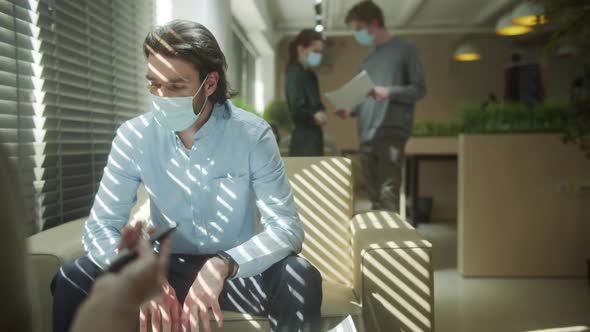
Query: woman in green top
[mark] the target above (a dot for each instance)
(303, 94)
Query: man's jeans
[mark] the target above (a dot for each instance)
(382, 162)
(289, 293)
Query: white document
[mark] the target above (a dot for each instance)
(352, 93)
(347, 325)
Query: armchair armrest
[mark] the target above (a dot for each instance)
(62, 243)
(392, 273)
(48, 250)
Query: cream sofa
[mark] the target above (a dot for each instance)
(375, 266)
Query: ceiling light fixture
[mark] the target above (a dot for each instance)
(467, 52)
(505, 27)
(529, 14)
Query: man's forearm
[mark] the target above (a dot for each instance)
(263, 250)
(100, 244)
(407, 93)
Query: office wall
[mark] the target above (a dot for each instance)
(522, 212)
(450, 84)
(216, 15)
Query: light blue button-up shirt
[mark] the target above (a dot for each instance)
(208, 191)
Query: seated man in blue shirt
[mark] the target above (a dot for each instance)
(203, 163)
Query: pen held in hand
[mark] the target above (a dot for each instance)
(127, 255)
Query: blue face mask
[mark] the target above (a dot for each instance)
(364, 38)
(313, 59)
(176, 113)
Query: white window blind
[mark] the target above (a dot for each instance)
(16, 93)
(88, 79)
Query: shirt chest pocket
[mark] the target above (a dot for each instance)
(228, 193)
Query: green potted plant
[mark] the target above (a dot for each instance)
(516, 117)
(474, 119)
(550, 116)
(569, 23)
(243, 104)
(277, 113)
(436, 129)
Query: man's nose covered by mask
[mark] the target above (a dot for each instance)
(176, 113)
(364, 38)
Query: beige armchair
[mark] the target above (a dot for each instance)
(375, 266)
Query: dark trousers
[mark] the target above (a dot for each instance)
(306, 141)
(289, 293)
(382, 163)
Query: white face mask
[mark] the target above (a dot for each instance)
(176, 113)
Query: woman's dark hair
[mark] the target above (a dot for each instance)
(191, 42)
(365, 11)
(304, 38)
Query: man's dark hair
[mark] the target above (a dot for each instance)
(191, 42)
(366, 11)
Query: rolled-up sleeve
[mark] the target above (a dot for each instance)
(115, 198)
(283, 232)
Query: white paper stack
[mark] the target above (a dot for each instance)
(352, 93)
(347, 325)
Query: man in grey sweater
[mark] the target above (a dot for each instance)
(386, 117)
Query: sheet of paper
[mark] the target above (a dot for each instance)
(352, 93)
(347, 325)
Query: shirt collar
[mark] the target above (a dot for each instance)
(211, 124)
(219, 112)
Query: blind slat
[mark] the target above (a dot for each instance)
(61, 102)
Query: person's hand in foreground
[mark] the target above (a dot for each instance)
(112, 304)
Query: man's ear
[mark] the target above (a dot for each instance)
(374, 25)
(211, 83)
